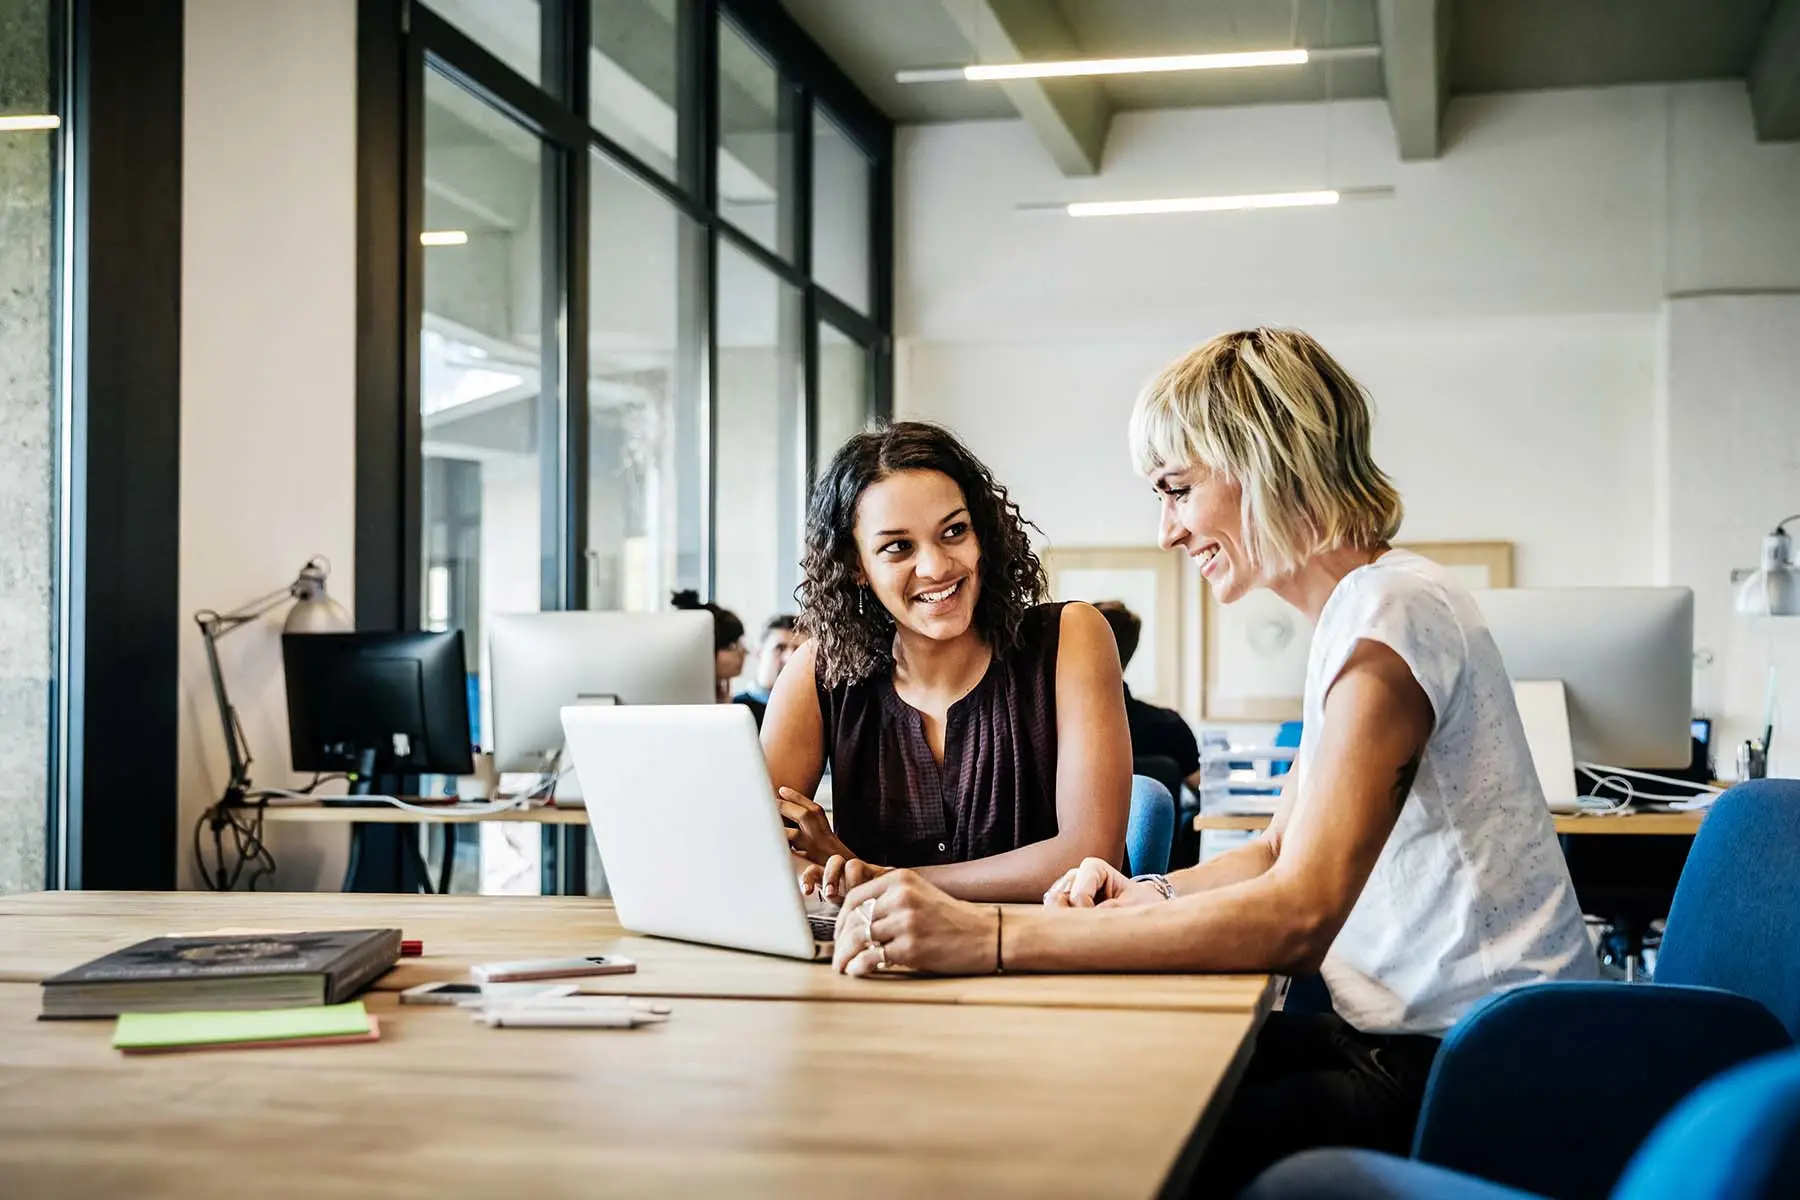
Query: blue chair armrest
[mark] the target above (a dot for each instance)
(1368, 1175)
(1552, 1087)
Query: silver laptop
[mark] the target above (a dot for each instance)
(685, 820)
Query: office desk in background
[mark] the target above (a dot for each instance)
(384, 869)
(1684, 824)
(996, 1086)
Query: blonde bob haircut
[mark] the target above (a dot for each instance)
(1270, 410)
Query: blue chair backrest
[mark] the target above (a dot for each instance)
(1737, 1137)
(1735, 920)
(1288, 737)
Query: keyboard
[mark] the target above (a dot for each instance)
(824, 928)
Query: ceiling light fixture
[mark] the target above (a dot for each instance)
(444, 237)
(1192, 204)
(1001, 72)
(29, 121)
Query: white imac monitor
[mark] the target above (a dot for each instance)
(538, 663)
(1625, 657)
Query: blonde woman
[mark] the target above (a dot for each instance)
(1411, 861)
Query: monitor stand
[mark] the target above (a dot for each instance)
(384, 855)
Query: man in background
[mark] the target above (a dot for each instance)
(1155, 732)
(780, 639)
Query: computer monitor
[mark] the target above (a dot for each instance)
(1625, 657)
(539, 662)
(378, 703)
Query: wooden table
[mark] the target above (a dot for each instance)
(1009, 1086)
(49, 932)
(1642, 823)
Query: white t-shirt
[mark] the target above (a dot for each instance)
(1471, 893)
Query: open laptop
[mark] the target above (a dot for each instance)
(684, 817)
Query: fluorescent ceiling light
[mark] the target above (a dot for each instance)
(987, 73)
(1187, 204)
(444, 237)
(29, 121)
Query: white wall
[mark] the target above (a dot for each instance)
(1504, 307)
(268, 356)
(1733, 371)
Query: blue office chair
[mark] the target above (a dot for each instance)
(1287, 737)
(1150, 831)
(1736, 1138)
(1550, 1088)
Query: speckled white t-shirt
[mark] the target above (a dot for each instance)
(1471, 893)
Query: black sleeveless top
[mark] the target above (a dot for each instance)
(893, 804)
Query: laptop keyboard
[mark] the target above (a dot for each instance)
(824, 928)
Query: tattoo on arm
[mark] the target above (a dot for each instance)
(1403, 780)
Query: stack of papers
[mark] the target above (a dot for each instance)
(321, 1025)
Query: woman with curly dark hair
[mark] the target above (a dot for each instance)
(973, 732)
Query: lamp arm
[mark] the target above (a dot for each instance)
(223, 623)
(237, 750)
(1781, 525)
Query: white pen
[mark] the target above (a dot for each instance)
(568, 1018)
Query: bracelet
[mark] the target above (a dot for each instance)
(1159, 882)
(999, 929)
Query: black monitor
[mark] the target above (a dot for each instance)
(378, 703)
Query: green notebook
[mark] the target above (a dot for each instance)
(155, 1031)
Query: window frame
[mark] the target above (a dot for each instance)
(398, 41)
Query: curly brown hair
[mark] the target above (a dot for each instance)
(856, 640)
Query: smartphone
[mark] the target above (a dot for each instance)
(553, 968)
(454, 992)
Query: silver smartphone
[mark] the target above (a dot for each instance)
(446, 991)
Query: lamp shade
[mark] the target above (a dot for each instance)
(1773, 589)
(315, 611)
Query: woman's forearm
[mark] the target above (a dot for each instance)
(1240, 865)
(1019, 876)
(1249, 927)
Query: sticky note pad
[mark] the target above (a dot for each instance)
(158, 1031)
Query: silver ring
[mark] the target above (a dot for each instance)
(866, 910)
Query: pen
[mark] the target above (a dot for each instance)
(567, 1018)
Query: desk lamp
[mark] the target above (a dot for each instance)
(315, 612)
(1772, 590)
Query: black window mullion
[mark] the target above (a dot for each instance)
(697, 120)
(798, 175)
(812, 317)
(410, 477)
(577, 41)
(765, 257)
(473, 66)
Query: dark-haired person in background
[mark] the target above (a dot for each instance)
(781, 636)
(728, 641)
(1155, 732)
(972, 731)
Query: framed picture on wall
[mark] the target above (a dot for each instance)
(1148, 582)
(1253, 665)
(1254, 652)
(1474, 564)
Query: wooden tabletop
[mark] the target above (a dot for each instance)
(49, 932)
(729, 1097)
(387, 814)
(1683, 823)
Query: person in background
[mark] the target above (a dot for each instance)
(1411, 860)
(781, 636)
(1155, 732)
(728, 641)
(972, 731)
